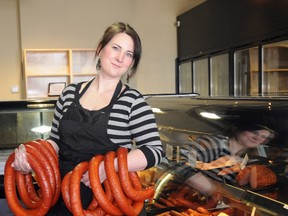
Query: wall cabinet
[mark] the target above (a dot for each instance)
(47, 70)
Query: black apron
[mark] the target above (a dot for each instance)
(83, 134)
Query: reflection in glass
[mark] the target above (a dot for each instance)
(15, 128)
(275, 69)
(185, 77)
(220, 75)
(246, 72)
(201, 78)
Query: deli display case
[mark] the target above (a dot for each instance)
(21, 121)
(183, 121)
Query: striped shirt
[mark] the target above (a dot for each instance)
(210, 148)
(131, 121)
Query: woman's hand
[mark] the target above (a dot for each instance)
(85, 179)
(102, 175)
(20, 162)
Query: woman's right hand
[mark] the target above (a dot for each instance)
(20, 162)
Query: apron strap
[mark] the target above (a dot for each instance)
(79, 94)
(116, 93)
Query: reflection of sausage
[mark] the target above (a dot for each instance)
(175, 213)
(115, 184)
(138, 195)
(228, 211)
(97, 189)
(243, 176)
(158, 205)
(166, 202)
(186, 203)
(203, 210)
(10, 188)
(211, 203)
(51, 166)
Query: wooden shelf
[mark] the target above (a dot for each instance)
(45, 66)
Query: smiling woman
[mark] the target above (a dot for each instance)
(101, 115)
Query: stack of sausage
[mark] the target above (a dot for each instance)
(187, 197)
(44, 161)
(199, 212)
(120, 194)
(257, 176)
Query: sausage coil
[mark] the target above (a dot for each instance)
(47, 176)
(97, 189)
(139, 194)
(110, 197)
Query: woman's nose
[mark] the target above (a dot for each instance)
(120, 57)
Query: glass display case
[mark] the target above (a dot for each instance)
(184, 120)
(181, 120)
(22, 121)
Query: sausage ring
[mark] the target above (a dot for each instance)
(114, 182)
(97, 189)
(139, 194)
(10, 188)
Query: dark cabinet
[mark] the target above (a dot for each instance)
(219, 25)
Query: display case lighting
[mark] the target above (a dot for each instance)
(41, 129)
(210, 115)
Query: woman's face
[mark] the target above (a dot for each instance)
(117, 56)
(252, 139)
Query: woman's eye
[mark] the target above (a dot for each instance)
(115, 48)
(130, 55)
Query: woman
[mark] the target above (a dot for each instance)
(103, 114)
(218, 153)
(210, 148)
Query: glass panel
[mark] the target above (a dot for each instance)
(182, 124)
(275, 69)
(185, 77)
(220, 75)
(20, 127)
(246, 72)
(201, 78)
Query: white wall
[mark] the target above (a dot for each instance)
(49, 24)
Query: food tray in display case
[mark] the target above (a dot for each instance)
(186, 121)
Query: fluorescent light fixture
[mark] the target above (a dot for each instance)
(210, 115)
(41, 129)
(157, 110)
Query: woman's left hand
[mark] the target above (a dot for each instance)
(85, 179)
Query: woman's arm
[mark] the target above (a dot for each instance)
(136, 161)
(145, 134)
(65, 100)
